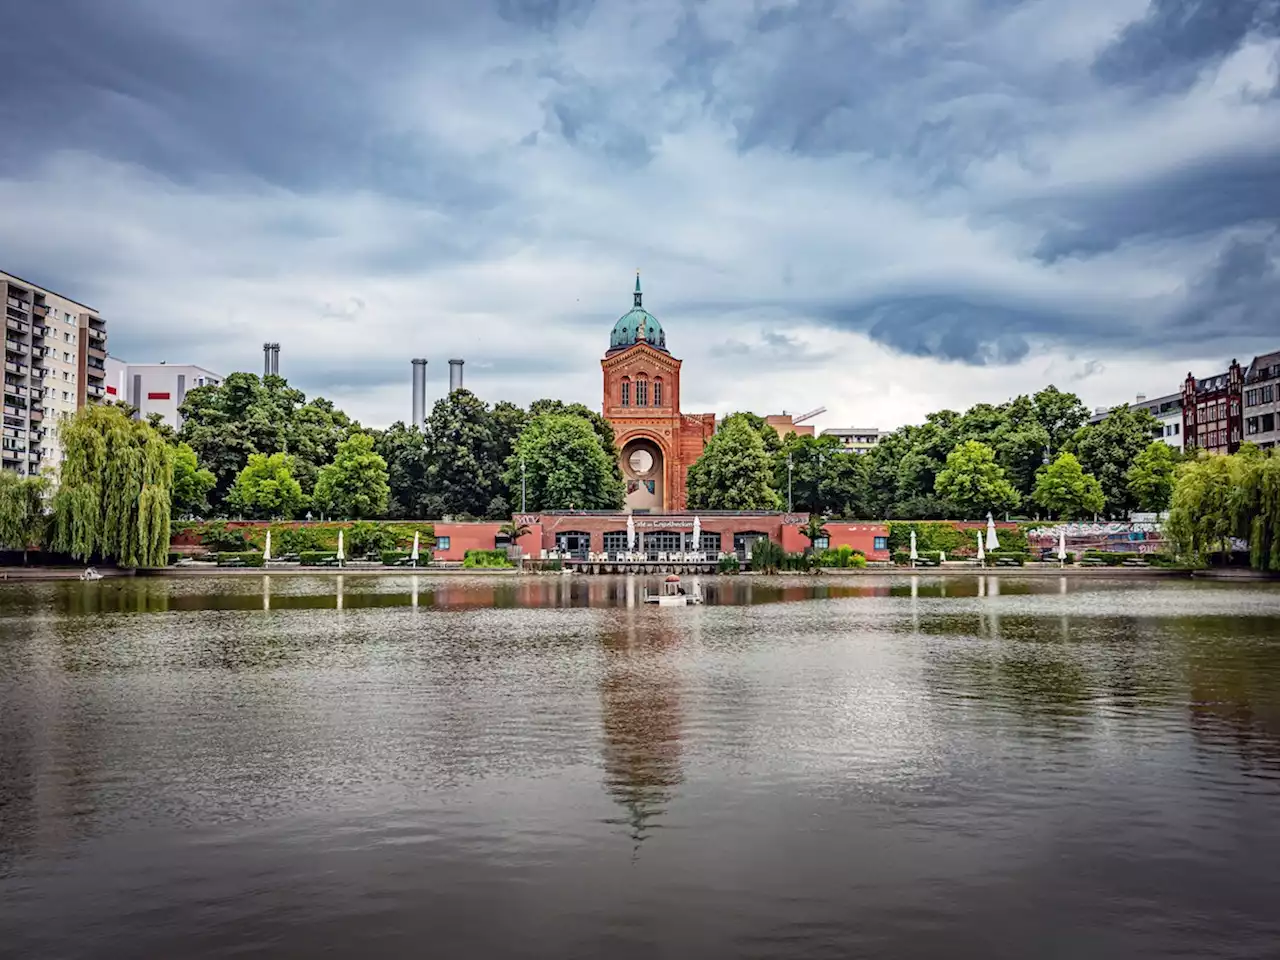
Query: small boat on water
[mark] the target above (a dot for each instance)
(90, 574)
(673, 594)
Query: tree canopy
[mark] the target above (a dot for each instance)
(565, 465)
(22, 511)
(354, 486)
(1150, 479)
(1066, 491)
(192, 483)
(1108, 451)
(245, 414)
(115, 489)
(266, 489)
(974, 482)
(734, 471)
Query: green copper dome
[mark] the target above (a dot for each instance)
(637, 325)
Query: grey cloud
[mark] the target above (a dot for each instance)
(1236, 296)
(958, 328)
(1168, 47)
(1210, 196)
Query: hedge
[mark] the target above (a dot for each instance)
(300, 536)
(1016, 555)
(311, 558)
(249, 558)
(1115, 559)
(392, 557)
(728, 563)
(842, 557)
(485, 559)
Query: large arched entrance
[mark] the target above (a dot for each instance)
(642, 468)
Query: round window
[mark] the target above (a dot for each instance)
(641, 462)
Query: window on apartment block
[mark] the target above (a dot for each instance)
(1251, 425)
(1268, 422)
(1268, 394)
(442, 543)
(1251, 398)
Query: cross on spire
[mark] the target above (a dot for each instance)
(638, 294)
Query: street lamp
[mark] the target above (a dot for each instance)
(522, 487)
(788, 483)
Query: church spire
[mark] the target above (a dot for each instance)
(638, 295)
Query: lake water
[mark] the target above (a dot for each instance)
(457, 767)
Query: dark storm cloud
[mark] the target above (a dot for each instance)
(1237, 295)
(958, 328)
(277, 91)
(1204, 198)
(1170, 45)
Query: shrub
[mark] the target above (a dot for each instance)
(310, 558)
(767, 556)
(930, 535)
(1015, 555)
(300, 539)
(842, 557)
(250, 558)
(217, 537)
(485, 559)
(391, 557)
(174, 558)
(364, 538)
(728, 563)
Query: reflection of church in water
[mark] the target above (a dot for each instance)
(658, 443)
(641, 719)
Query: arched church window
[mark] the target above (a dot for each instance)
(642, 393)
(657, 392)
(626, 392)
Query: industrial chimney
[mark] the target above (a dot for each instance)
(275, 359)
(455, 375)
(419, 391)
(266, 360)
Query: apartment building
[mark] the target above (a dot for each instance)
(1212, 413)
(1262, 401)
(156, 387)
(55, 352)
(854, 439)
(1167, 411)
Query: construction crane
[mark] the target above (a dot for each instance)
(808, 416)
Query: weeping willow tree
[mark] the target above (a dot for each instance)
(22, 511)
(1217, 498)
(115, 490)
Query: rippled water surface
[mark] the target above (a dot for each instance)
(543, 767)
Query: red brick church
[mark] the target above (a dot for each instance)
(656, 441)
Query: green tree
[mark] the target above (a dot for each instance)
(734, 471)
(115, 489)
(974, 482)
(464, 478)
(1108, 450)
(266, 488)
(23, 518)
(244, 415)
(769, 436)
(814, 469)
(1021, 443)
(1066, 491)
(408, 471)
(354, 486)
(1255, 506)
(1202, 511)
(192, 483)
(602, 427)
(565, 465)
(1150, 479)
(1060, 414)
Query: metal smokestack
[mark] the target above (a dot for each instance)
(266, 360)
(455, 375)
(275, 359)
(419, 391)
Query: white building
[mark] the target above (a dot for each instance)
(854, 439)
(156, 387)
(1166, 410)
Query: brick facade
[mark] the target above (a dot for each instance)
(1212, 413)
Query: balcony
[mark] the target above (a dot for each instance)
(97, 327)
(41, 310)
(12, 367)
(33, 456)
(97, 353)
(40, 331)
(18, 326)
(13, 390)
(11, 410)
(16, 433)
(95, 391)
(37, 414)
(13, 346)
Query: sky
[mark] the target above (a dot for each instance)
(883, 207)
